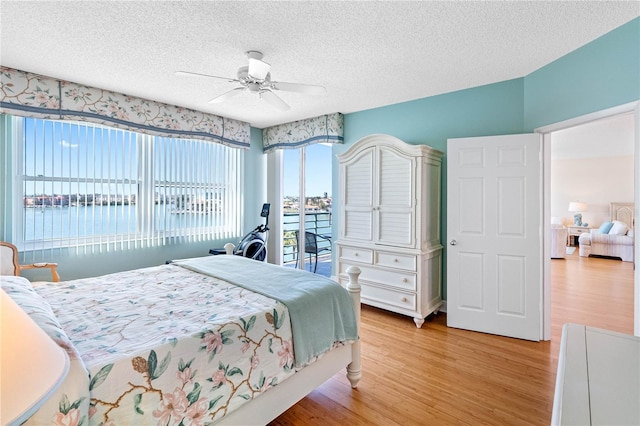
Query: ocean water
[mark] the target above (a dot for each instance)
(44, 223)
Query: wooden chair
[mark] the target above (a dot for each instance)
(9, 264)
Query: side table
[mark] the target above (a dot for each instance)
(573, 233)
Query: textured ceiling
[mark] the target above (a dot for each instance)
(366, 54)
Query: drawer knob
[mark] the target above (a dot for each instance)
(404, 299)
(395, 260)
(355, 254)
(404, 280)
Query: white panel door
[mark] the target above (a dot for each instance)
(494, 250)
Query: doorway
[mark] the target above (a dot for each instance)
(587, 172)
(632, 112)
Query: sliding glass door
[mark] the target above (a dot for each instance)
(307, 202)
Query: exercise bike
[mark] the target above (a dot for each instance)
(254, 244)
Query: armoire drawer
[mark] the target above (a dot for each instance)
(389, 297)
(356, 254)
(401, 280)
(396, 261)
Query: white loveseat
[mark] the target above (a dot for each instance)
(618, 243)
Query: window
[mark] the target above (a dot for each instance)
(97, 188)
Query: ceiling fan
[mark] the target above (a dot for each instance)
(256, 78)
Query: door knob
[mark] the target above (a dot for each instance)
(453, 242)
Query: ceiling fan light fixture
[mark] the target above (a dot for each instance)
(258, 69)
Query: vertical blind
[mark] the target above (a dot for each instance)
(94, 188)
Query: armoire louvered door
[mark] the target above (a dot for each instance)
(357, 198)
(394, 211)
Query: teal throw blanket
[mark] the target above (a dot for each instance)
(321, 310)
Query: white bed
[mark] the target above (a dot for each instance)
(210, 348)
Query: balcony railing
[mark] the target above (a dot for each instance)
(316, 222)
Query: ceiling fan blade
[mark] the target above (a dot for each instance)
(258, 69)
(308, 89)
(227, 95)
(195, 74)
(274, 100)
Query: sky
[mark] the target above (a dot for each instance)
(73, 155)
(318, 170)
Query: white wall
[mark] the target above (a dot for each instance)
(595, 181)
(592, 163)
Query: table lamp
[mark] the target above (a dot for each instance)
(32, 365)
(576, 208)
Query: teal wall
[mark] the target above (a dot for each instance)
(600, 75)
(597, 76)
(482, 111)
(72, 266)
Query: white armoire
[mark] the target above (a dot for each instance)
(389, 224)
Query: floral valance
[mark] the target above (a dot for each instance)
(31, 95)
(325, 128)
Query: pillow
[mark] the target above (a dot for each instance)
(25, 296)
(618, 228)
(605, 228)
(72, 397)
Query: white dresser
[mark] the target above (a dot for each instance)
(598, 379)
(390, 224)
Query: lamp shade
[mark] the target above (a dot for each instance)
(576, 206)
(32, 365)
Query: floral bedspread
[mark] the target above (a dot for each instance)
(166, 345)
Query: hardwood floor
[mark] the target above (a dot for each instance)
(439, 375)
